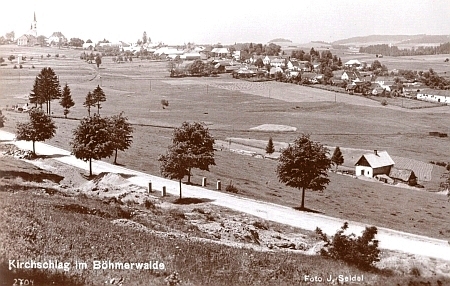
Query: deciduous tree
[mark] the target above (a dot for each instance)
(197, 68)
(66, 100)
(198, 144)
(304, 165)
(40, 127)
(175, 163)
(92, 140)
(98, 60)
(121, 133)
(192, 147)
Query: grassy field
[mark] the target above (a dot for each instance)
(138, 87)
(43, 224)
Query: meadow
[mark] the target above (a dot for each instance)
(351, 122)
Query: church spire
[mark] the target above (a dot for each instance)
(35, 16)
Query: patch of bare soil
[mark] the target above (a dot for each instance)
(209, 223)
(274, 127)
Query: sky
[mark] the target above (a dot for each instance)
(226, 22)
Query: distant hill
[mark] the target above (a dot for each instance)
(280, 40)
(394, 40)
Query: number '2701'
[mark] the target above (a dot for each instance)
(19, 282)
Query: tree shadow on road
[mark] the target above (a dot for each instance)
(50, 156)
(307, 210)
(189, 201)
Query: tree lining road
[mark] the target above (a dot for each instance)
(389, 239)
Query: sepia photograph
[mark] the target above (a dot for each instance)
(191, 143)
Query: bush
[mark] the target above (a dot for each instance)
(20, 66)
(164, 103)
(15, 67)
(384, 102)
(149, 204)
(361, 252)
(231, 188)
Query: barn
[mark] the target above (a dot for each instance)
(404, 176)
(372, 164)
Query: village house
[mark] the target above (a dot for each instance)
(27, 40)
(434, 95)
(372, 164)
(351, 76)
(191, 56)
(278, 63)
(88, 46)
(293, 65)
(56, 38)
(220, 52)
(353, 64)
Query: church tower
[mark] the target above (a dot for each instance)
(34, 26)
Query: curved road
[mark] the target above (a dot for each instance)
(389, 239)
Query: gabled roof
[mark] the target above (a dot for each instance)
(378, 160)
(220, 51)
(57, 34)
(274, 70)
(352, 74)
(402, 174)
(352, 62)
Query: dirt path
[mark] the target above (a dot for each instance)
(389, 239)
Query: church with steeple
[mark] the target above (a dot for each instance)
(30, 37)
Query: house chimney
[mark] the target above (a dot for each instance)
(376, 152)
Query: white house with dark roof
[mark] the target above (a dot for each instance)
(372, 164)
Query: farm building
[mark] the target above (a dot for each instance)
(403, 176)
(372, 164)
(220, 52)
(191, 56)
(434, 95)
(353, 64)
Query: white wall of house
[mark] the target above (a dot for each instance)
(434, 98)
(364, 171)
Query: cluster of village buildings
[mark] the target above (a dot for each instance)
(352, 76)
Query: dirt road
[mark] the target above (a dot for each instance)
(389, 239)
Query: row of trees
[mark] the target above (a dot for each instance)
(95, 137)
(91, 58)
(196, 68)
(388, 50)
(248, 49)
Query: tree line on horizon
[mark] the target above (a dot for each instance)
(388, 50)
